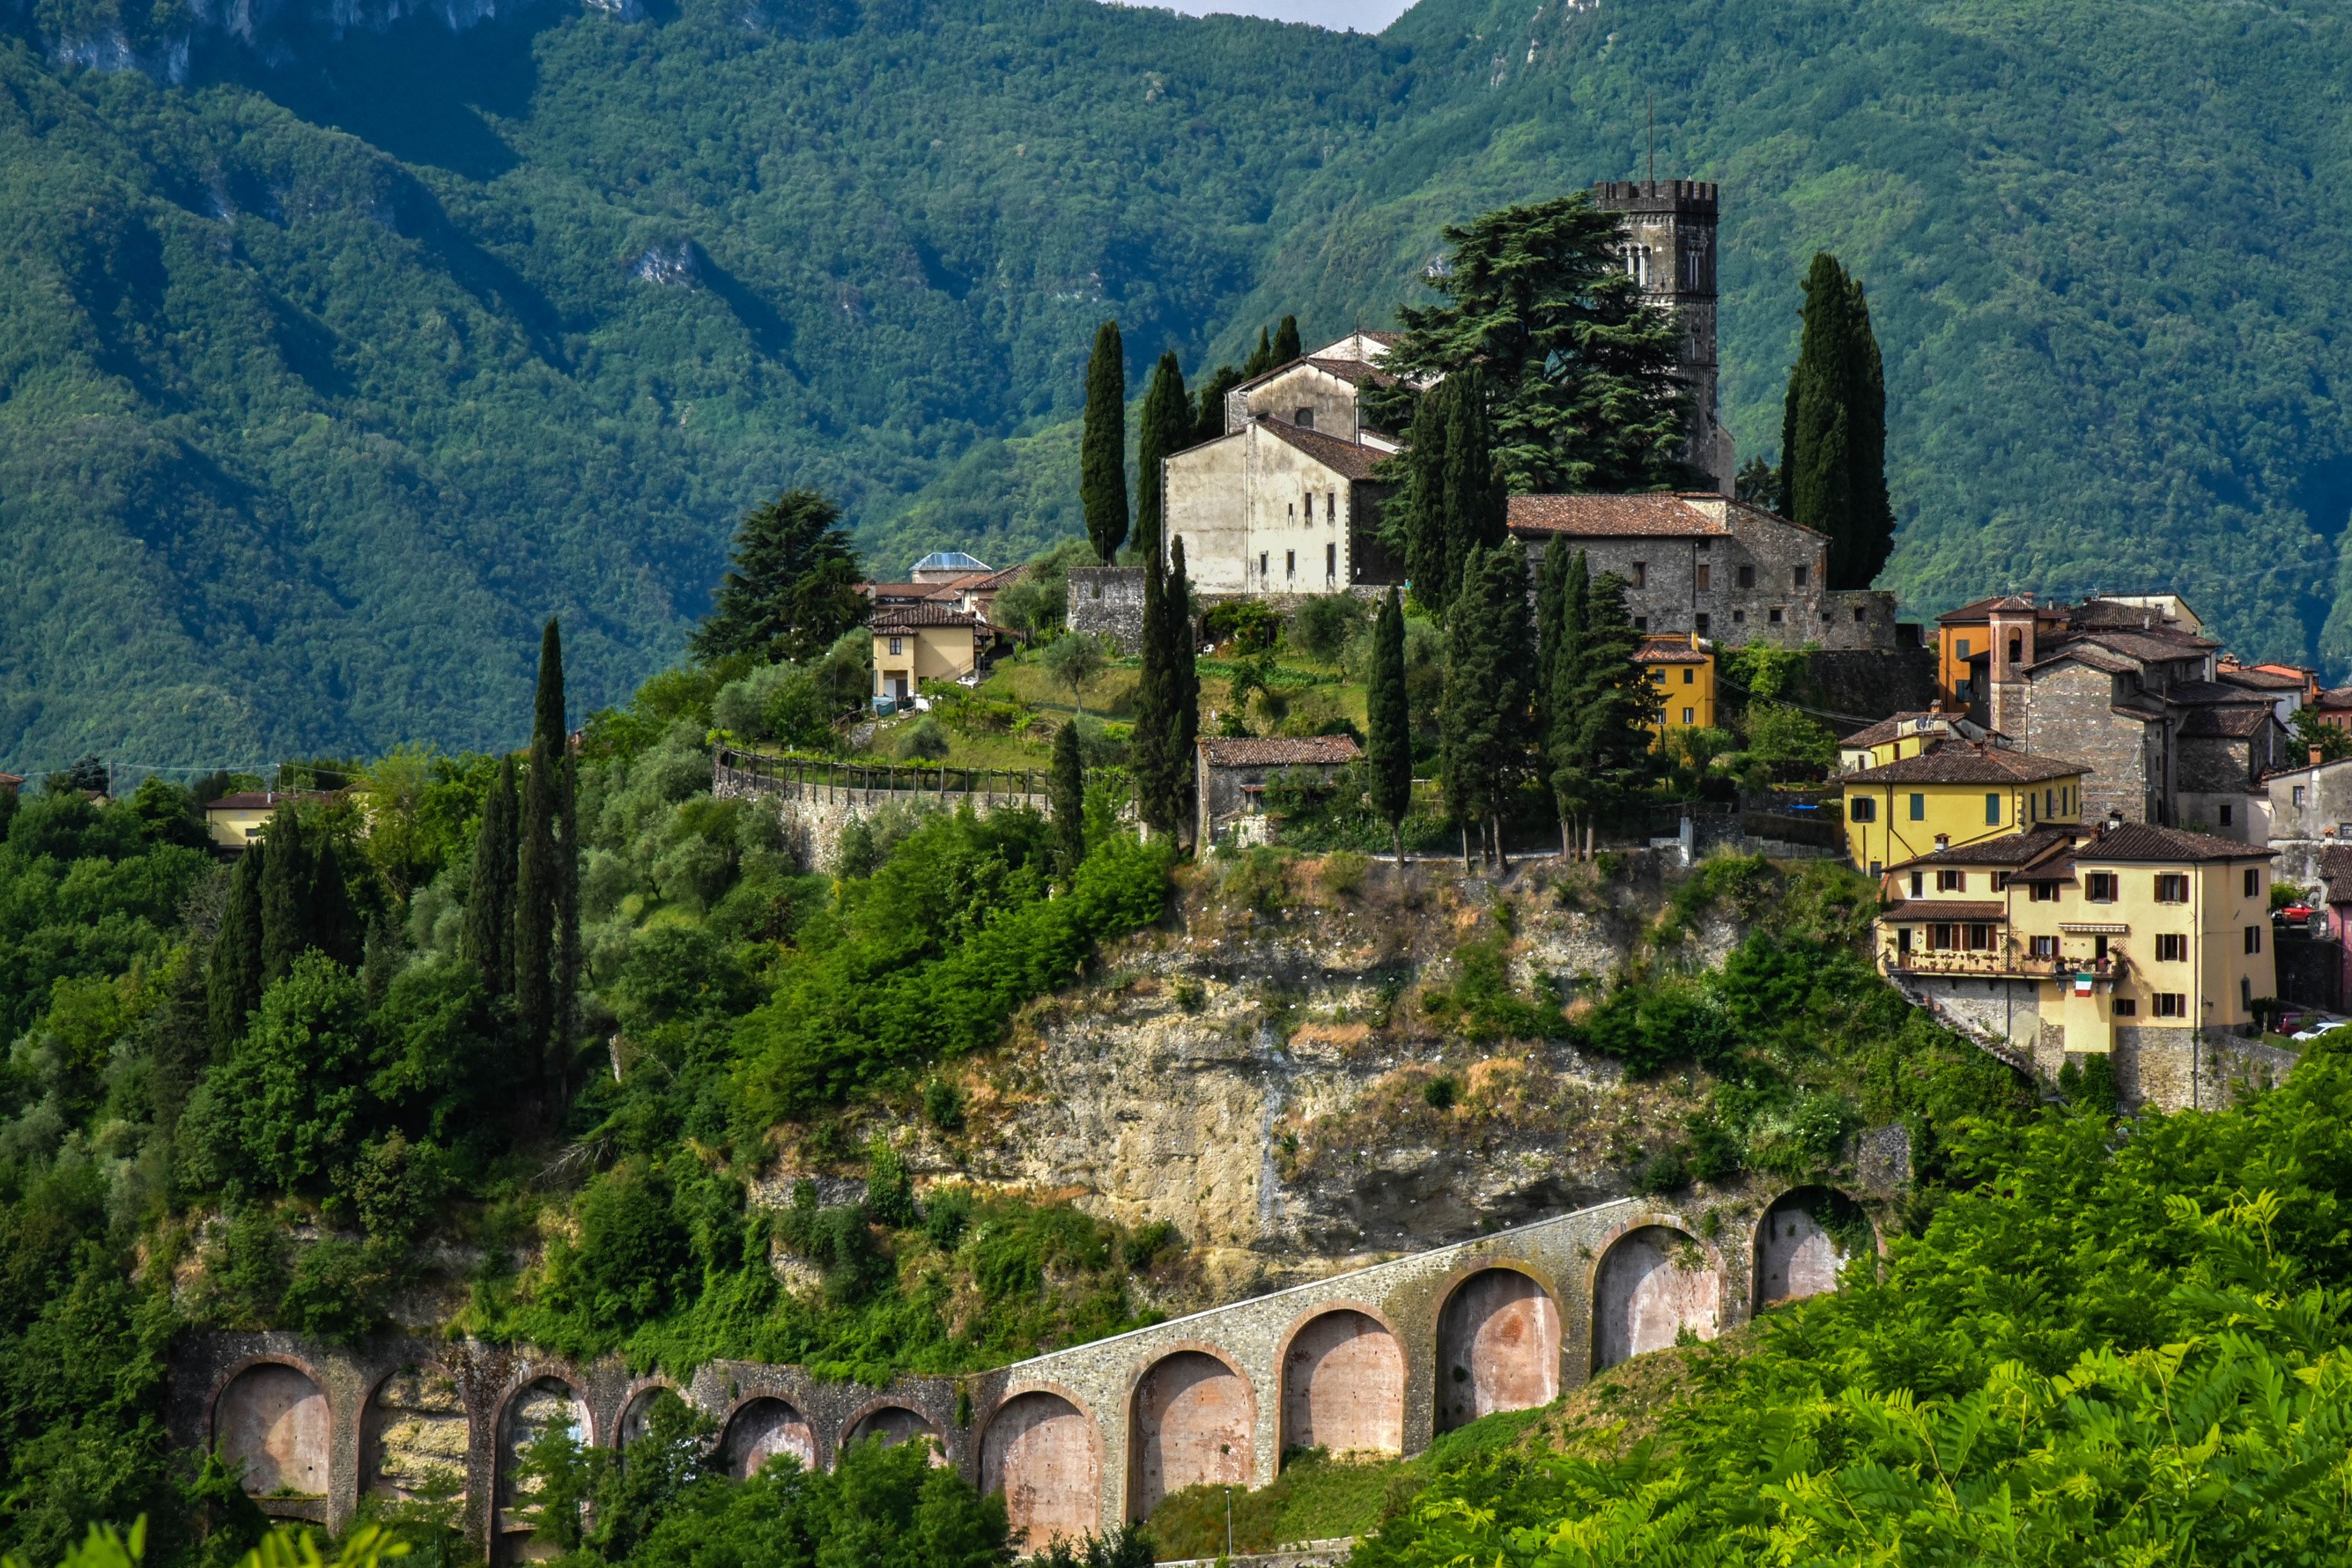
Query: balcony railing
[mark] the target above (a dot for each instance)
(1999, 961)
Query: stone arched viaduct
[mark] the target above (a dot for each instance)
(1381, 1358)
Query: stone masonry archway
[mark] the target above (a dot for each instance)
(1190, 1425)
(762, 1428)
(543, 1405)
(1497, 1348)
(415, 1439)
(1801, 1244)
(894, 1424)
(1343, 1385)
(272, 1419)
(1653, 1284)
(1041, 1452)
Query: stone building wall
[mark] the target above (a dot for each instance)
(1108, 601)
(1770, 607)
(2073, 716)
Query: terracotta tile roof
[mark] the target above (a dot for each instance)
(2334, 699)
(1354, 372)
(2336, 873)
(1348, 459)
(2145, 842)
(1944, 910)
(1675, 650)
(1967, 762)
(2257, 679)
(907, 618)
(1612, 516)
(2154, 644)
(1888, 728)
(2199, 692)
(2228, 723)
(2008, 849)
(1278, 750)
(1967, 614)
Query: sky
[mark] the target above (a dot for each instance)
(1363, 16)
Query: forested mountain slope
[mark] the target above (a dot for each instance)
(331, 366)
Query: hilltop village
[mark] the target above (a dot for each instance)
(1454, 935)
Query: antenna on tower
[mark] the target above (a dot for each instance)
(1653, 139)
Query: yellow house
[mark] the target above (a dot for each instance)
(235, 821)
(1682, 679)
(2128, 939)
(915, 643)
(1953, 793)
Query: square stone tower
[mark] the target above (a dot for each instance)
(1669, 226)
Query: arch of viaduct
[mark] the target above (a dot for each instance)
(1381, 1358)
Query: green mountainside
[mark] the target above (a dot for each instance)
(329, 369)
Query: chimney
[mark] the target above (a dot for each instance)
(2315, 756)
(1943, 842)
(2114, 820)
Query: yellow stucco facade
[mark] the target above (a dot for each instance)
(1681, 671)
(2140, 928)
(934, 646)
(1954, 793)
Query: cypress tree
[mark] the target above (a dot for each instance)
(1261, 359)
(1285, 346)
(1065, 797)
(1487, 685)
(1102, 446)
(1563, 600)
(1183, 672)
(1609, 742)
(1153, 748)
(335, 927)
(287, 877)
(536, 875)
(1833, 429)
(1209, 414)
(233, 984)
(1388, 722)
(488, 938)
(1421, 506)
(567, 900)
(1167, 428)
(1475, 506)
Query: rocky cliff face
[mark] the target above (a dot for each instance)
(1275, 1076)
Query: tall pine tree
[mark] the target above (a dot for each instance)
(538, 873)
(1833, 429)
(790, 586)
(568, 963)
(1563, 587)
(233, 980)
(1102, 444)
(1167, 429)
(1261, 359)
(1066, 800)
(487, 936)
(1488, 680)
(1388, 723)
(1209, 405)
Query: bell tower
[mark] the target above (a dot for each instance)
(1669, 229)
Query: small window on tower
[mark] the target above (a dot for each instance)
(1641, 623)
(1748, 576)
(1797, 575)
(1705, 572)
(1306, 420)
(1641, 575)
(1310, 506)
(1702, 619)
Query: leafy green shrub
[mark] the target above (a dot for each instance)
(1320, 626)
(889, 1191)
(1143, 1248)
(1246, 625)
(942, 1106)
(1343, 872)
(946, 1216)
(335, 1293)
(633, 1251)
(923, 741)
(1441, 1092)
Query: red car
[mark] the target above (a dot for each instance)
(2293, 913)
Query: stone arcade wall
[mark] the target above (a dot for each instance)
(814, 803)
(1376, 1358)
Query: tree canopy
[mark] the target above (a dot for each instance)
(793, 587)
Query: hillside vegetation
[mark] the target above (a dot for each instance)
(332, 367)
